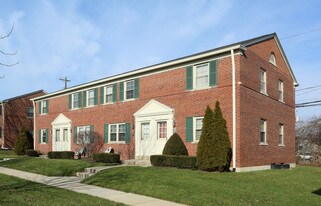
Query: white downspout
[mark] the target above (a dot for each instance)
(34, 125)
(233, 110)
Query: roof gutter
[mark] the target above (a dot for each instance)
(146, 69)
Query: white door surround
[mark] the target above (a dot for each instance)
(153, 127)
(61, 133)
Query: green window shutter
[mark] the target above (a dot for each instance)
(92, 136)
(96, 96)
(47, 108)
(213, 73)
(39, 135)
(121, 91)
(115, 92)
(47, 136)
(127, 134)
(189, 129)
(39, 107)
(189, 77)
(79, 102)
(69, 101)
(136, 90)
(102, 94)
(84, 102)
(105, 133)
(75, 135)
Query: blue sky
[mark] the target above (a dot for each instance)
(91, 39)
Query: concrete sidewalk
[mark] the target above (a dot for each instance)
(73, 184)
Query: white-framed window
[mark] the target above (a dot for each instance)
(91, 97)
(201, 78)
(109, 94)
(75, 100)
(281, 135)
(272, 59)
(162, 130)
(263, 81)
(30, 112)
(198, 122)
(43, 107)
(43, 136)
(263, 132)
(145, 131)
(117, 132)
(83, 136)
(129, 89)
(281, 91)
(57, 135)
(65, 135)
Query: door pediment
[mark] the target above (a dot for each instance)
(152, 108)
(61, 120)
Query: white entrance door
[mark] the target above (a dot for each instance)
(153, 127)
(61, 139)
(61, 133)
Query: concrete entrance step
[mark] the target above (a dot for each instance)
(137, 162)
(93, 170)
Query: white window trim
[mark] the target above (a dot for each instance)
(42, 107)
(194, 128)
(105, 93)
(41, 136)
(194, 77)
(167, 131)
(78, 133)
(87, 97)
(272, 62)
(282, 90)
(264, 79)
(125, 90)
(117, 134)
(72, 101)
(281, 126)
(265, 132)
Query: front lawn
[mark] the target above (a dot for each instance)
(7, 154)
(300, 186)
(15, 191)
(49, 167)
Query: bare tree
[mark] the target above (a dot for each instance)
(89, 143)
(308, 138)
(7, 53)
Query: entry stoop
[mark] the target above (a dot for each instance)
(137, 162)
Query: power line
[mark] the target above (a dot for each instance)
(300, 34)
(308, 92)
(308, 88)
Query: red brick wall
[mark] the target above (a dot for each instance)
(15, 114)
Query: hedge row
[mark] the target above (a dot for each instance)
(32, 153)
(61, 155)
(186, 162)
(107, 157)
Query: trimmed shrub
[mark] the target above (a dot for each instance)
(175, 146)
(21, 143)
(61, 155)
(32, 153)
(184, 162)
(107, 157)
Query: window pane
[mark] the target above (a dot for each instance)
(121, 137)
(112, 137)
(162, 129)
(91, 95)
(65, 135)
(262, 137)
(75, 100)
(122, 128)
(129, 89)
(57, 135)
(109, 94)
(201, 77)
(145, 131)
(113, 128)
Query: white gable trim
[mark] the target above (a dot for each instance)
(61, 120)
(153, 108)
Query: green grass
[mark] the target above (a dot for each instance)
(49, 167)
(15, 191)
(301, 186)
(7, 154)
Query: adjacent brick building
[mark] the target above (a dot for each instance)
(15, 113)
(136, 112)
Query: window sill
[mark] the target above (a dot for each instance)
(263, 144)
(43, 143)
(264, 93)
(109, 103)
(90, 106)
(115, 142)
(282, 101)
(272, 63)
(281, 145)
(74, 109)
(129, 100)
(195, 142)
(43, 114)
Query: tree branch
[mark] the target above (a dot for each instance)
(5, 53)
(9, 65)
(3, 76)
(6, 36)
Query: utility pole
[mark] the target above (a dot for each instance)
(65, 80)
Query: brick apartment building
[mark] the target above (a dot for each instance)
(14, 113)
(136, 112)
